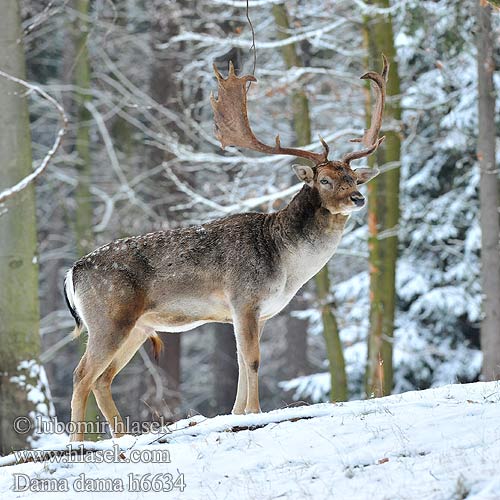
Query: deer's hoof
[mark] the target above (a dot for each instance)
(253, 410)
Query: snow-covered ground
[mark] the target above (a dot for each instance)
(436, 444)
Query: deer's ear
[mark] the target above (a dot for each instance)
(304, 173)
(366, 174)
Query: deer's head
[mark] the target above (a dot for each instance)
(336, 182)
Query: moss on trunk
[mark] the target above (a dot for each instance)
(19, 309)
(383, 215)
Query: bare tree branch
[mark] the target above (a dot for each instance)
(243, 3)
(208, 40)
(236, 207)
(24, 183)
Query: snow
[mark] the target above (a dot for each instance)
(437, 444)
(315, 386)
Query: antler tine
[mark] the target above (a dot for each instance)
(232, 127)
(325, 147)
(370, 138)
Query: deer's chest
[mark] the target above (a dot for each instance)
(297, 268)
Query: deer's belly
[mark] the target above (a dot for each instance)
(177, 327)
(176, 322)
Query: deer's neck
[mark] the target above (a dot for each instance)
(307, 235)
(305, 222)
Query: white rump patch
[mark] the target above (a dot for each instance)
(73, 296)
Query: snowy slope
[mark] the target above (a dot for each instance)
(436, 444)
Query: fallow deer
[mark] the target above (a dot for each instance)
(242, 269)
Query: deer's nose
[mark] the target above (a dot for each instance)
(358, 199)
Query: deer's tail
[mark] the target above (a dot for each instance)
(69, 296)
(157, 345)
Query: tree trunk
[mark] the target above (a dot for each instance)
(338, 377)
(302, 127)
(81, 77)
(300, 103)
(225, 368)
(170, 362)
(163, 89)
(19, 309)
(383, 216)
(488, 195)
(84, 234)
(121, 130)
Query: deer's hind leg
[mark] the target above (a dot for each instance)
(102, 386)
(103, 344)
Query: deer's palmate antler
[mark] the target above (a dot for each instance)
(243, 269)
(370, 138)
(232, 127)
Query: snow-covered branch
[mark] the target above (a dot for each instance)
(244, 43)
(251, 3)
(236, 207)
(24, 183)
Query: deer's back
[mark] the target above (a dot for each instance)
(186, 275)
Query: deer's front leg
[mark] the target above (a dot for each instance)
(246, 327)
(241, 392)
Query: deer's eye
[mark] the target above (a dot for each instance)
(324, 181)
